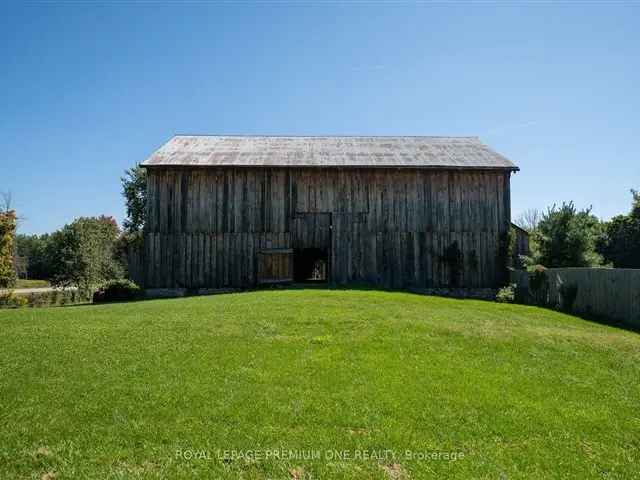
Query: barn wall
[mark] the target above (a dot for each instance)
(393, 228)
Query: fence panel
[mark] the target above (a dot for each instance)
(608, 292)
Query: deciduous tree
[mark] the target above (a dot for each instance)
(620, 242)
(134, 190)
(7, 235)
(84, 253)
(566, 237)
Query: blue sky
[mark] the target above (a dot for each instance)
(87, 91)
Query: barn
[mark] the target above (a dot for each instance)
(391, 212)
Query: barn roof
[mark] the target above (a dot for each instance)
(330, 151)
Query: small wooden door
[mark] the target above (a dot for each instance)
(275, 266)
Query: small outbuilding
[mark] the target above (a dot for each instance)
(393, 212)
(520, 244)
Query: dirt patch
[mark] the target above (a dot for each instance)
(48, 476)
(395, 471)
(44, 451)
(297, 473)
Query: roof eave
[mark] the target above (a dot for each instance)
(399, 167)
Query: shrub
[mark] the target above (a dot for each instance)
(506, 294)
(58, 298)
(51, 298)
(537, 278)
(117, 290)
(538, 284)
(11, 300)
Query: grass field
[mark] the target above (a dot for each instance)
(22, 283)
(338, 384)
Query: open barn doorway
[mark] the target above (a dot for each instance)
(310, 265)
(311, 246)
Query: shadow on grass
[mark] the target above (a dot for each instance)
(591, 317)
(603, 320)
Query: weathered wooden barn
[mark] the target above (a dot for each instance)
(394, 212)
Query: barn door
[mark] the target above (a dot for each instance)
(312, 246)
(275, 265)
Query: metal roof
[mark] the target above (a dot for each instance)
(329, 151)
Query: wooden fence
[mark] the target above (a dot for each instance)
(612, 293)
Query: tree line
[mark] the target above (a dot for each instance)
(84, 253)
(564, 236)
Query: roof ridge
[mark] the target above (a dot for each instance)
(249, 135)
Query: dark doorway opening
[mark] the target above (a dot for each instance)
(310, 265)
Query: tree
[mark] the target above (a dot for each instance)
(84, 253)
(7, 235)
(620, 242)
(566, 237)
(529, 219)
(6, 205)
(38, 258)
(134, 190)
(6, 201)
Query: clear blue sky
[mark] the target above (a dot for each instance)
(87, 91)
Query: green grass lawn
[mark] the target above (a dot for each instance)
(22, 283)
(363, 384)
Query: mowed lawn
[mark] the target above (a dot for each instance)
(364, 384)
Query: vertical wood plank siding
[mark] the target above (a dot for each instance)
(391, 228)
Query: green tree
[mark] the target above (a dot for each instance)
(33, 248)
(84, 253)
(566, 237)
(620, 242)
(134, 190)
(7, 235)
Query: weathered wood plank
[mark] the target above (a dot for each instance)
(204, 226)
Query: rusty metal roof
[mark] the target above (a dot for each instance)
(330, 151)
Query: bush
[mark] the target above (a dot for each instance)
(537, 278)
(11, 300)
(51, 298)
(117, 290)
(506, 294)
(58, 298)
